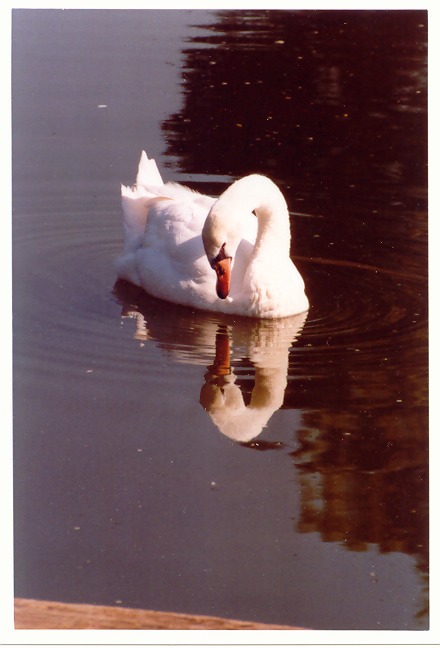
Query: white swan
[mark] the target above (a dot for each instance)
(175, 238)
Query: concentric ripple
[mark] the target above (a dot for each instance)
(66, 318)
(365, 338)
(360, 305)
(366, 328)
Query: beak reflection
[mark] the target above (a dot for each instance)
(220, 344)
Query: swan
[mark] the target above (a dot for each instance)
(229, 254)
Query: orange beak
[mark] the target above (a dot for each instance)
(223, 272)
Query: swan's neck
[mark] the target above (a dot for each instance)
(259, 194)
(273, 231)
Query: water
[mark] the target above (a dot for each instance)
(137, 483)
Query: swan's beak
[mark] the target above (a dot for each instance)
(222, 268)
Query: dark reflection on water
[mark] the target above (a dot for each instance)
(333, 106)
(315, 511)
(361, 449)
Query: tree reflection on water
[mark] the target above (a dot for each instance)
(364, 482)
(333, 106)
(330, 104)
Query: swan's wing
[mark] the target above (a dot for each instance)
(138, 202)
(172, 232)
(172, 263)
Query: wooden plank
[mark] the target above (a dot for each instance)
(31, 614)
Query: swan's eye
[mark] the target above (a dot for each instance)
(220, 256)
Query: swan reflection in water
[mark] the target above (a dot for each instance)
(220, 342)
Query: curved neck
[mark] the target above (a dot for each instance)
(258, 194)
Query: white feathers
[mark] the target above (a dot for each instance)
(164, 253)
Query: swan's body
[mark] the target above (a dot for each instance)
(174, 238)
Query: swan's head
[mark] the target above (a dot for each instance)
(221, 236)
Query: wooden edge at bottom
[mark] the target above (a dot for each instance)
(31, 614)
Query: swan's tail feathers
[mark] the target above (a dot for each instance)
(137, 200)
(135, 204)
(148, 174)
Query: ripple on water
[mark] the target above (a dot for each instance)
(364, 343)
(359, 304)
(362, 321)
(66, 318)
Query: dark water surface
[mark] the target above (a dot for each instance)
(178, 460)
